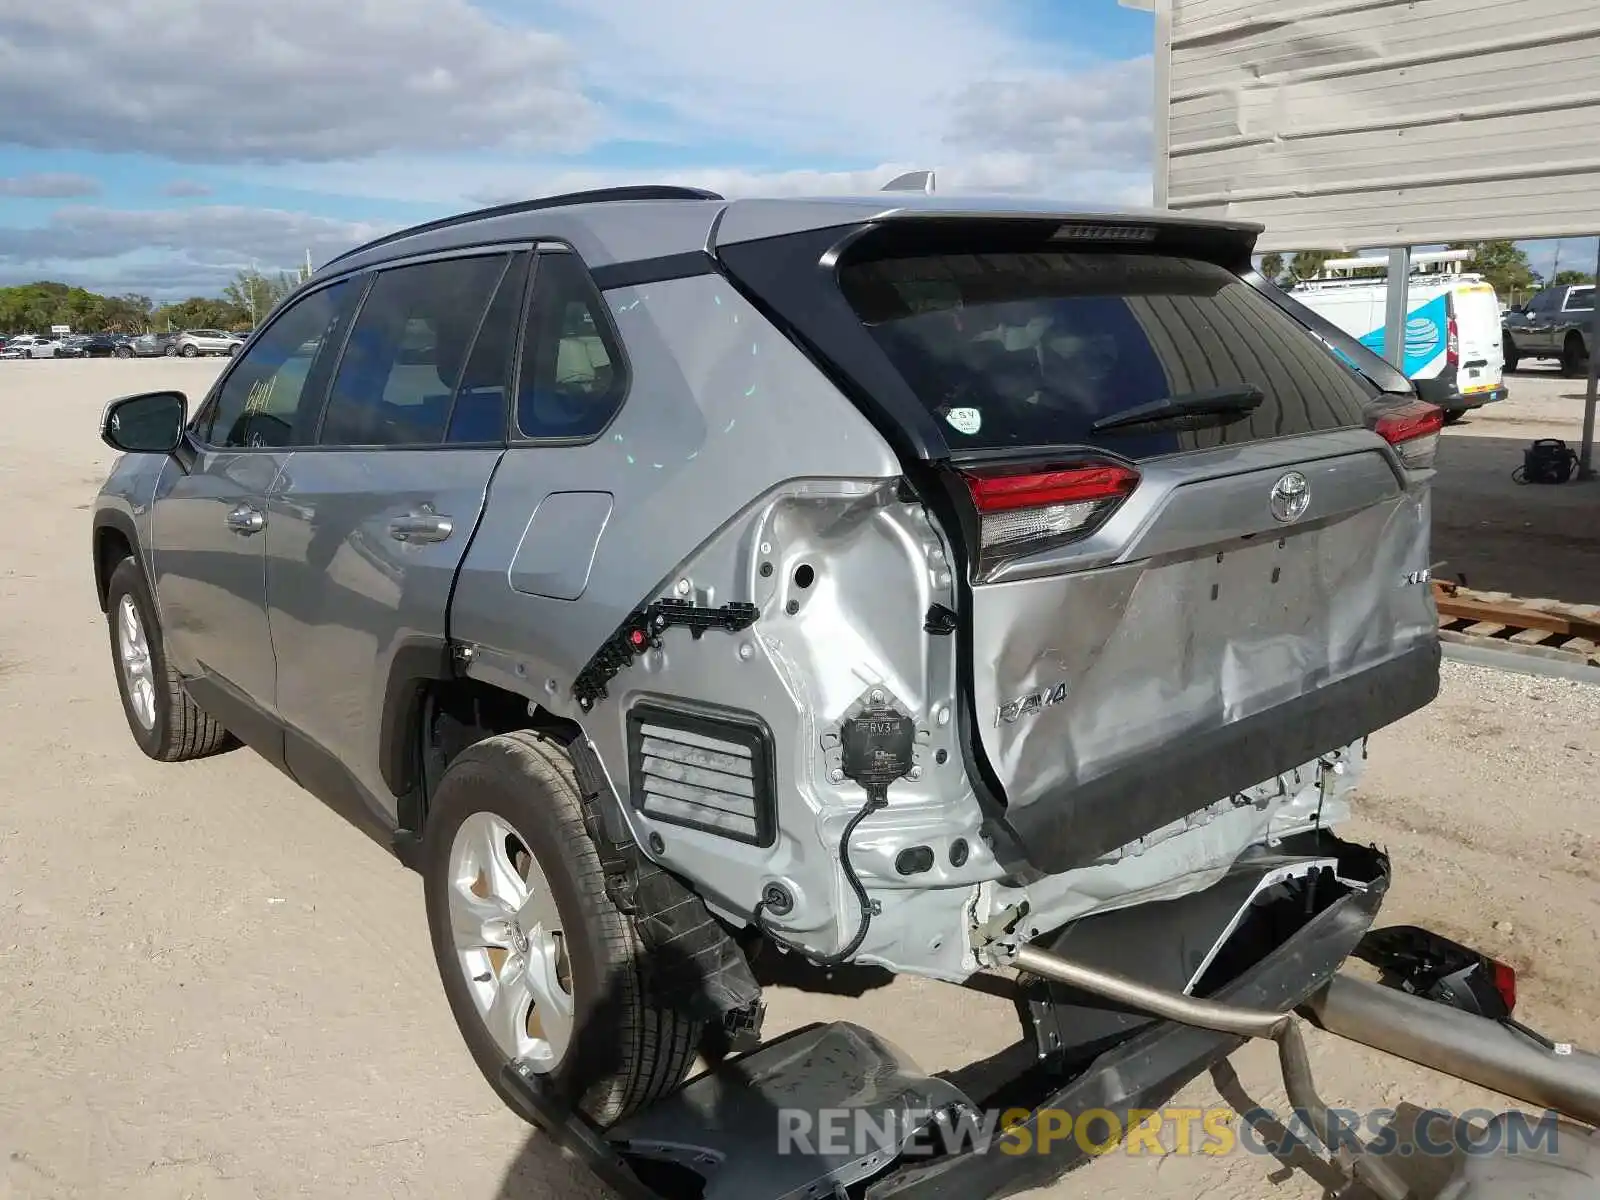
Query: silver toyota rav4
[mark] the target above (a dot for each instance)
(685, 586)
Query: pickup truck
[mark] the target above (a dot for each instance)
(1555, 323)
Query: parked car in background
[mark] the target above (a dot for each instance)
(149, 345)
(34, 345)
(101, 345)
(1555, 323)
(194, 342)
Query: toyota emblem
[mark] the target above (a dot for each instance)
(1290, 498)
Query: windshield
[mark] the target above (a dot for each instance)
(1034, 348)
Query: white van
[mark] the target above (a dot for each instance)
(1454, 354)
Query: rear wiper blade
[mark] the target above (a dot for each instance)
(1209, 402)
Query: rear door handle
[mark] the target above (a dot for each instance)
(421, 527)
(246, 520)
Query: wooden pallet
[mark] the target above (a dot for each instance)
(1544, 628)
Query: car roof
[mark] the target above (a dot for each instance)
(628, 225)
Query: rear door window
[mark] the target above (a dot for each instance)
(1580, 299)
(573, 376)
(1033, 348)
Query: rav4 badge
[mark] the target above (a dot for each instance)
(1290, 497)
(1033, 702)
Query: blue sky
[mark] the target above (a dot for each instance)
(159, 146)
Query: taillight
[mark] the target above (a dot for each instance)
(1413, 430)
(1452, 344)
(1022, 510)
(1505, 982)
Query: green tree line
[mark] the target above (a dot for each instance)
(35, 307)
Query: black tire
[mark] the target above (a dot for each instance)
(1452, 415)
(1574, 358)
(190, 352)
(181, 730)
(627, 1050)
(1509, 352)
(171, 351)
(124, 352)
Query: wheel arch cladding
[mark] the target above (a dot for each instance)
(114, 540)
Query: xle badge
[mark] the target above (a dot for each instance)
(1032, 703)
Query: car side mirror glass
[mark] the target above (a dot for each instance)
(149, 423)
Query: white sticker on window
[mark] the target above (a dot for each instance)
(965, 420)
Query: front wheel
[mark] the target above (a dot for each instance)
(536, 961)
(171, 352)
(164, 721)
(1574, 359)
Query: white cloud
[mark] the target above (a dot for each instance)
(1097, 119)
(835, 77)
(192, 250)
(443, 103)
(308, 80)
(50, 186)
(987, 173)
(186, 187)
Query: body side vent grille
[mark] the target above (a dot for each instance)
(703, 769)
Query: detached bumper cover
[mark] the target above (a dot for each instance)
(1146, 1071)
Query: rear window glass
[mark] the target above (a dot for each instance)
(1024, 348)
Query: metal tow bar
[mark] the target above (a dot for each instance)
(1456, 1043)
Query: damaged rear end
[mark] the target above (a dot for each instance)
(1191, 520)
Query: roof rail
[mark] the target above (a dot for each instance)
(648, 191)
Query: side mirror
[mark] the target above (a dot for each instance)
(149, 423)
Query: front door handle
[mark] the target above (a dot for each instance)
(419, 527)
(245, 520)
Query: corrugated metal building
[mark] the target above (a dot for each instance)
(1348, 124)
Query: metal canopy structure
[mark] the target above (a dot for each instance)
(1358, 124)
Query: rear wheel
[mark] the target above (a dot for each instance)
(1574, 358)
(537, 963)
(190, 352)
(1508, 349)
(124, 352)
(164, 721)
(1452, 415)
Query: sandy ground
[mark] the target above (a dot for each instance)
(211, 987)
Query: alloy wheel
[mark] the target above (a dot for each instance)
(133, 649)
(509, 942)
